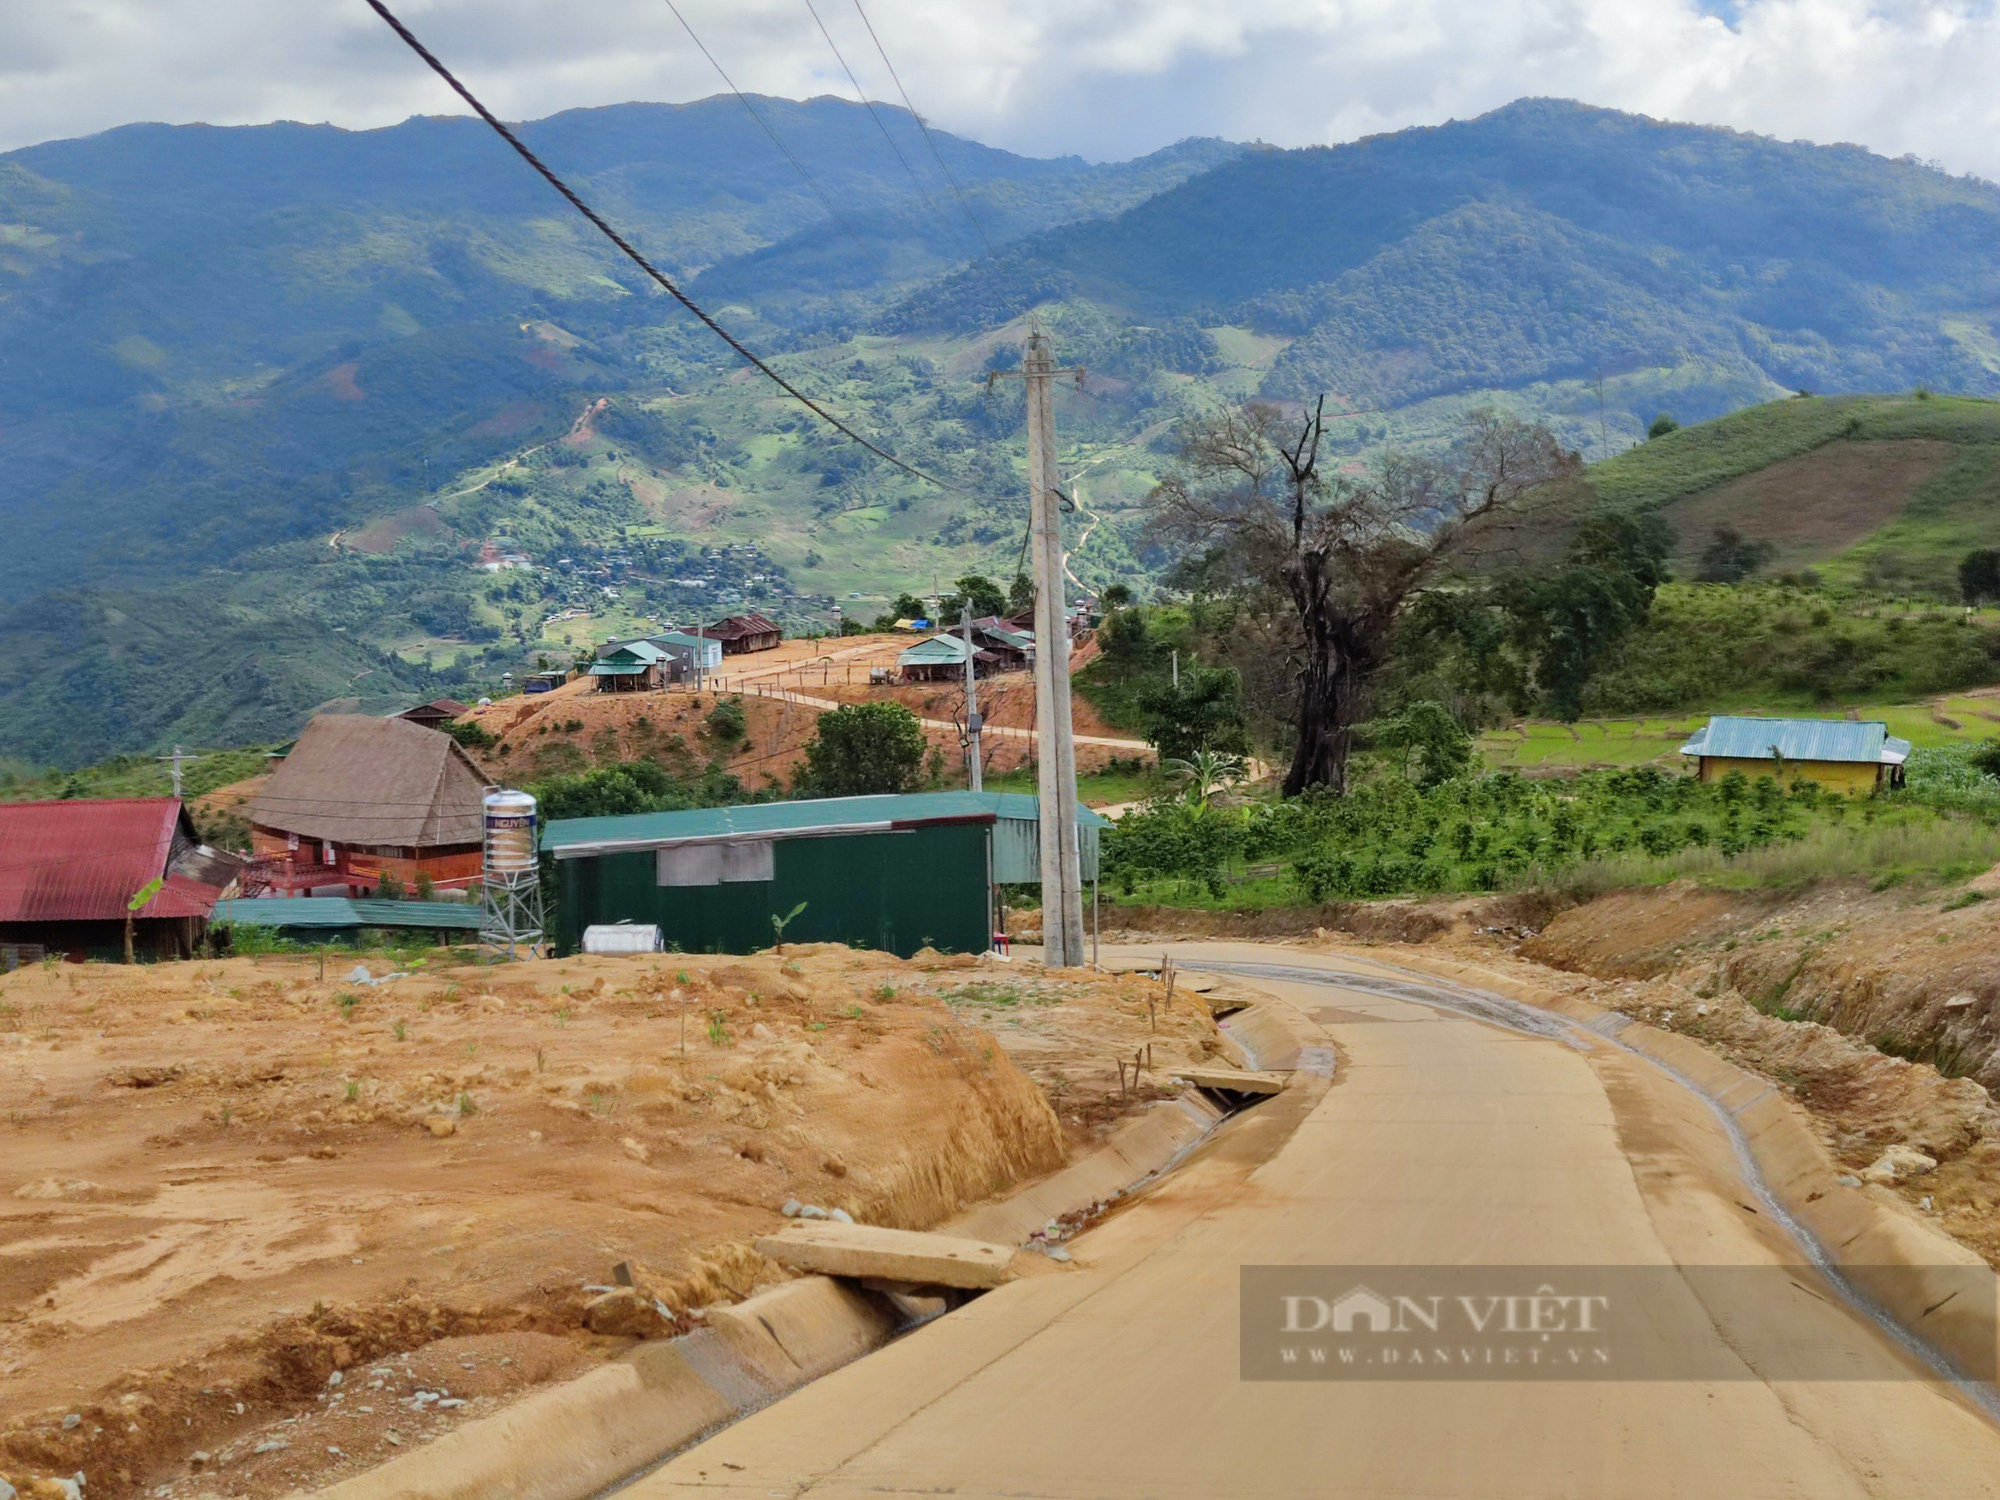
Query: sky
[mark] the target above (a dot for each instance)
(1105, 79)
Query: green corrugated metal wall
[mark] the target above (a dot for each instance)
(897, 892)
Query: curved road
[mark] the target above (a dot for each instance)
(1445, 1140)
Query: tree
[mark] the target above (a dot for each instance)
(1115, 596)
(726, 720)
(1662, 425)
(982, 594)
(1348, 553)
(1979, 575)
(1205, 713)
(1431, 746)
(861, 749)
(1020, 594)
(1564, 621)
(1731, 557)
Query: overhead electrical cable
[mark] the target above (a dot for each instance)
(665, 282)
(957, 192)
(876, 115)
(766, 126)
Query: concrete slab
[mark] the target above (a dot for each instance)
(863, 1251)
(1233, 1080)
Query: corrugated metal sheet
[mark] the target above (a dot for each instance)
(335, 912)
(1735, 738)
(84, 860)
(939, 650)
(896, 890)
(569, 836)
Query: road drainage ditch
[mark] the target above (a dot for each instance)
(1783, 1165)
(603, 1431)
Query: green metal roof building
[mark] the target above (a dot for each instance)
(895, 873)
(319, 919)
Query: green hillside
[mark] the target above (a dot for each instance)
(271, 394)
(1889, 492)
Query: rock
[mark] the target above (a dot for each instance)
(790, 1211)
(625, 1313)
(761, 1032)
(1961, 1002)
(1897, 1163)
(812, 1211)
(1848, 1179)
(271, 1445)
(866, 1253)
(335, 1378)
(71, 1422)
(197, 1459)
(7, 1491)
(441, 1125)
(636, 1149)
(841, 1216)
(450, 1403)
(72, 1487)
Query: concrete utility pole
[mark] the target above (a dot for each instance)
(1062, 879)
(972, 721)
(174, 761)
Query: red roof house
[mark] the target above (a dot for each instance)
(70, 870)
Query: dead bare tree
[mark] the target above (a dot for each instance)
(1348, 552)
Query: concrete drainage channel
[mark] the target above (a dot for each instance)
(862, 1287)
(1733, 1094)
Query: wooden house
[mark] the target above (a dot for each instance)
(360, 798)
(1844, 755)
(435, 714)
(70, 873)
(741, 633)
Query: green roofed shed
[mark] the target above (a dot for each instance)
(320, 918)
(897, 873)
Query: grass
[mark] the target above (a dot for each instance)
(1094, 788)
(1920, 848)
(1541, 745)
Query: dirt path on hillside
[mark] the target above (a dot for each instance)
(223, 1183)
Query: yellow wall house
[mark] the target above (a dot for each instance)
(1843, 755)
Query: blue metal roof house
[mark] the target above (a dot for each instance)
(895, 873)
(1846, 755)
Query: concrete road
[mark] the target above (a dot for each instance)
(1444, 1140)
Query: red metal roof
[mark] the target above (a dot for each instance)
(84, 860)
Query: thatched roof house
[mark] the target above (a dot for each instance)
(359, 798)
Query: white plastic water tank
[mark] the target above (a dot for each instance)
(510, 833)
(622, 937)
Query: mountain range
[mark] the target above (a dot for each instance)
(270, 395)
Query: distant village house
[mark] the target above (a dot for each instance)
(741, 633)
(435, 714)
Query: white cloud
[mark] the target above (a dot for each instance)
(1104, 78)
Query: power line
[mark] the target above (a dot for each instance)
(978, 228)
(873, 114)
(765, 125)
(659, 276)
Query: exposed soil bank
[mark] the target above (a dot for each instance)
(226, 1183)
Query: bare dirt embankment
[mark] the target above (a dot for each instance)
(575, 728)
(225, 1184)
